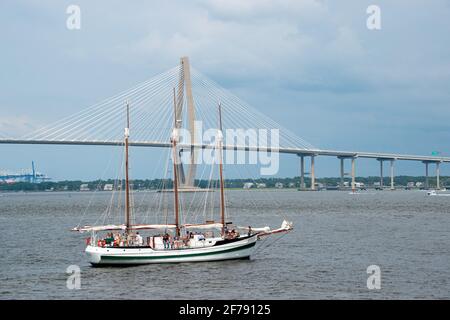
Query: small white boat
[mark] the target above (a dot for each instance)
(123, 245)
(435, 193)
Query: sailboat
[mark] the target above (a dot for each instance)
(213, 241)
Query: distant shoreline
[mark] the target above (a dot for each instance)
(371, 182)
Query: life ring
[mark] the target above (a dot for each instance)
(88, 241)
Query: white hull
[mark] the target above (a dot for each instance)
(240, 249)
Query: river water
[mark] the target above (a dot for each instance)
(336, 237)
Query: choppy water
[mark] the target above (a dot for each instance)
(336, 237)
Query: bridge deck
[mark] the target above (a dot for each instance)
(298, 151)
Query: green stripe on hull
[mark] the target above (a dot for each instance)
(103, 258)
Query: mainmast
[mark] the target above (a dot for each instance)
(174, 156)
(127, 182)
(222, 195)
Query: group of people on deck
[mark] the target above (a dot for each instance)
(120, 240)
(231, 234)
(178, 242)
(170, 242)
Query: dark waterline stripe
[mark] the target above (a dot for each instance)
(181, 256)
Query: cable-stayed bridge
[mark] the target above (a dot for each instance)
(193, 98)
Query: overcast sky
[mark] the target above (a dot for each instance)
(313, 66)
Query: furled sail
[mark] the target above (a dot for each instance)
(286, 226)
(204, 226)
(262, 229)
(112, 227)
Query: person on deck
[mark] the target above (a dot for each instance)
(139, 239)
(166, 241)
(186, 239)
(172, 242)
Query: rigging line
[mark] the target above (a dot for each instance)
(202, 174)
(145, 197)
(211, 174)
(211, 200)
(212, 185)
(121, 196)
(114, 193)
(161, 195)
(92, 196)
(163, 204)
(215, 150)
(252, 197)
(160, 186)
(206, 194)
(270, 244)
(268, 194)
(106, 213)
(117, 211)
(96, 106)
(188, 209)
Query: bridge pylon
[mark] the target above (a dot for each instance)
(185, 91)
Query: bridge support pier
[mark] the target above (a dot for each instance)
(353, 175)
(302, 172)
(438, 187)
(392, 174)
(343, 173)
(381, 174)
(427, 182)
(313, 177)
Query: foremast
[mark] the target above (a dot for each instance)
(127, 181)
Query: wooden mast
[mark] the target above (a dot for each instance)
(127, 182)
(222, 195)
(174, 156)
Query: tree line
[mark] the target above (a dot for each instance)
(157, 184)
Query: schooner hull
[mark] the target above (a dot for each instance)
(99, 256)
